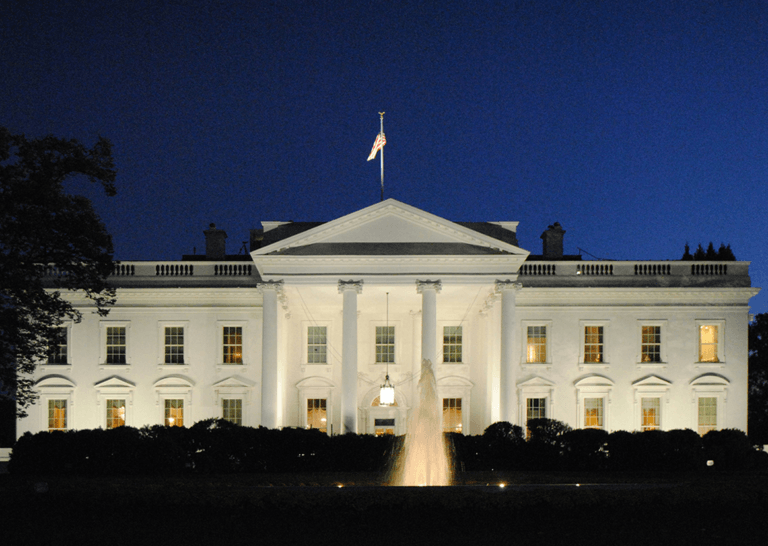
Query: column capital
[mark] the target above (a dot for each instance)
(273, 286)
(427, 285)
(357, 286)
(502, 286)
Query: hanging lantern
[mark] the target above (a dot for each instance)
(387, 393)
(387, 390)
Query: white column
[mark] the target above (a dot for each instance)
(349, 290)
(428, 291)
(269, 292)
(508, 291)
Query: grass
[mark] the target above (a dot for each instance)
(699, 508)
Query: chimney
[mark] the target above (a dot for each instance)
(553, 242)
(215, 243)
(257, 237)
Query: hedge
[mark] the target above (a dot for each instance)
(217, 446)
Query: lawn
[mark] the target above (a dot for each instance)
(605, 508)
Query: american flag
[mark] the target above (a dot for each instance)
(377, 145)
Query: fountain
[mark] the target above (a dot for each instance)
(425, 456)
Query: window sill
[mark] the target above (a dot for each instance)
(61, 368)
(316, 367)
(709, 365)
(593, 366)
(173, 367)
(454, 367)
(115, 367)
(536, 365)
(221, 367)
(651, 365)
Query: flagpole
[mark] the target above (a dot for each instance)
(381, 115)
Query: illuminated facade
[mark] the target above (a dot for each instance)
(304, 330)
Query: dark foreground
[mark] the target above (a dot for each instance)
(533, 508)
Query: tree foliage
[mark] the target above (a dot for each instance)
(722, 254)
(758, 379)
(42, 225)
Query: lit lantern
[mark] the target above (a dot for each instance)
(387, 390)
(387, 393)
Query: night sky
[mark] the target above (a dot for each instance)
(639, 126)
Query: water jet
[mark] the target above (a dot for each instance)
(424, 459)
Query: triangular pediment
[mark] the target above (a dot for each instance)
(651, 381)
(114, 382)
(388, 223)
(233, 382)
(391, 238)
(536, 381)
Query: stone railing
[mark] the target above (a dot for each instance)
(568, 268)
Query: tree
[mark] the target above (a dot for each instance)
(758, 379)
(50, 242)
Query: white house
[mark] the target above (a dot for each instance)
(305, 330)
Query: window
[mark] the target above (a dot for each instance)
(57, 414)
(452, 344)
(651, 414)
(116, 345)
(537, 344)
(174, 345)
(115, 413)
(317, 345)
(651, 344)
(708, 343)
(707, 414)
(593, 413)
(57, 347)
(452, 415)
(233, 345)
(174, 412)
(317, 414)
(593, 344)
(384, 427)
(535, 408)
(385, 344)
(232, 410)
(651, 395)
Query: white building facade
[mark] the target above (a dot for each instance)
(304, 331)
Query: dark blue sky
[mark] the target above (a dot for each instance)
(637, 125)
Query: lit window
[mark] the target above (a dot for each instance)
(651, 344)
(116, 345)
(233, 345)
(707, 414)
(174, 345)
(174, 413)
(384, 427)
(317, 348)
(232, 410)
(452, 415)
(385, 344)
(317, 415)
(57, 347)
(535, 408)
(708, 341)
(593, 344)
(593, 413)
(452, 339)
(115, 413)
(651, 413)
(537, 344)
(57, 415)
